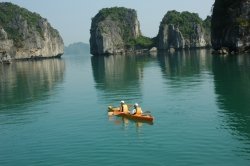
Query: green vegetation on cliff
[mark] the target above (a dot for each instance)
(207, 27)
(230, 25)
(13, 18)
(141, 42)
(125, 19)
(223, 9)
(8, 17)
(207, 23)
(9, 11)
(115, 13)
(121, 15)
(184, 20)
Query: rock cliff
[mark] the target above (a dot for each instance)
(25, 35)
(230, 26)
(182, 30)
(170, 37)
(112, 30)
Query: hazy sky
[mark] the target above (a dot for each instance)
(72, 18)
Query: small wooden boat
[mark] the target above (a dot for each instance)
(143, 117)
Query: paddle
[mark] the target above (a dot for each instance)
(146, 113)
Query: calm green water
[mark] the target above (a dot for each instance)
(53, 112)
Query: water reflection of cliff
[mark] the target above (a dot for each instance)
(25, 82)
(232, 85)
(185, 67)
(119, 77)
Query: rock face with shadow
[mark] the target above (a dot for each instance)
(170, 37)
(25, 35)
(183, 30)
(111, 30)
(230, 26)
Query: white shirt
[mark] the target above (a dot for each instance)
(133, 111)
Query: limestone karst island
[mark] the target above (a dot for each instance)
(116, 30)
(26, 35)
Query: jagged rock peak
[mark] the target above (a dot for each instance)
(25, 35)
(182, 30)
(112, 29)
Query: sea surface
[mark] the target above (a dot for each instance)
(54, 111)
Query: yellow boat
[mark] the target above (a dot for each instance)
(143, 117)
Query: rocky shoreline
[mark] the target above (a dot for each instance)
(9, 60)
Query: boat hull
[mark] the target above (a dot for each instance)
(146, 118)
(143, 117)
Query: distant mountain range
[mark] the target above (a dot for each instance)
(77, 48)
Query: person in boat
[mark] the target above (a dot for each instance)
(137, 110)
(124, 107)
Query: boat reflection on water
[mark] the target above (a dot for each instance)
(119, 120)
